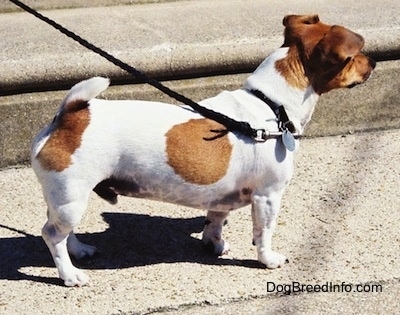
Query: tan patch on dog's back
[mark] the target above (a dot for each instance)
(198, 153)
(66, 136)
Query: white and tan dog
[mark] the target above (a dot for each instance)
(171, 153)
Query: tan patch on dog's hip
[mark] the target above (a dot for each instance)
(199, 151)
(65, 138)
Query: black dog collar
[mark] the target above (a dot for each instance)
(283, 120)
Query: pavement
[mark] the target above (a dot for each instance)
(338, 226)
(339, 222)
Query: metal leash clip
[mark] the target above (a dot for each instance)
(260, 135)
(263, 135)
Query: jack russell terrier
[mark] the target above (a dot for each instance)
(171, 153)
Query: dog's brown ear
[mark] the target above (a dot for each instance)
(340, 43)
(290, 20)
(298, 27)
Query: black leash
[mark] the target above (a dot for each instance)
(243, 127)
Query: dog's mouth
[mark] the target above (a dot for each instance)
(365, 78)
(353, 85)
(367, 74)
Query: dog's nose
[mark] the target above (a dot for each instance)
(372, 63)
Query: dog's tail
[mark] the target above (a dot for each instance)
(77, 98)
(83, 92)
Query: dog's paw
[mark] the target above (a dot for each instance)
(216, 247)
(75, 278)
(272, 259)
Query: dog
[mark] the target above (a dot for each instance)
(173, 154)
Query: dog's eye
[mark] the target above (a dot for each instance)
(348, 59)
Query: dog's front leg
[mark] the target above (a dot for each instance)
(212, 233)
(264, 213)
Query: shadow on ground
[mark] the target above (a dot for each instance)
(131, 240)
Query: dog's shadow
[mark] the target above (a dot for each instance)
(130, 240)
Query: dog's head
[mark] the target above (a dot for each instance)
(330, 55)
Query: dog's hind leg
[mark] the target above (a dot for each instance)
(212, 233)
(62, 218)
(264, 211)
